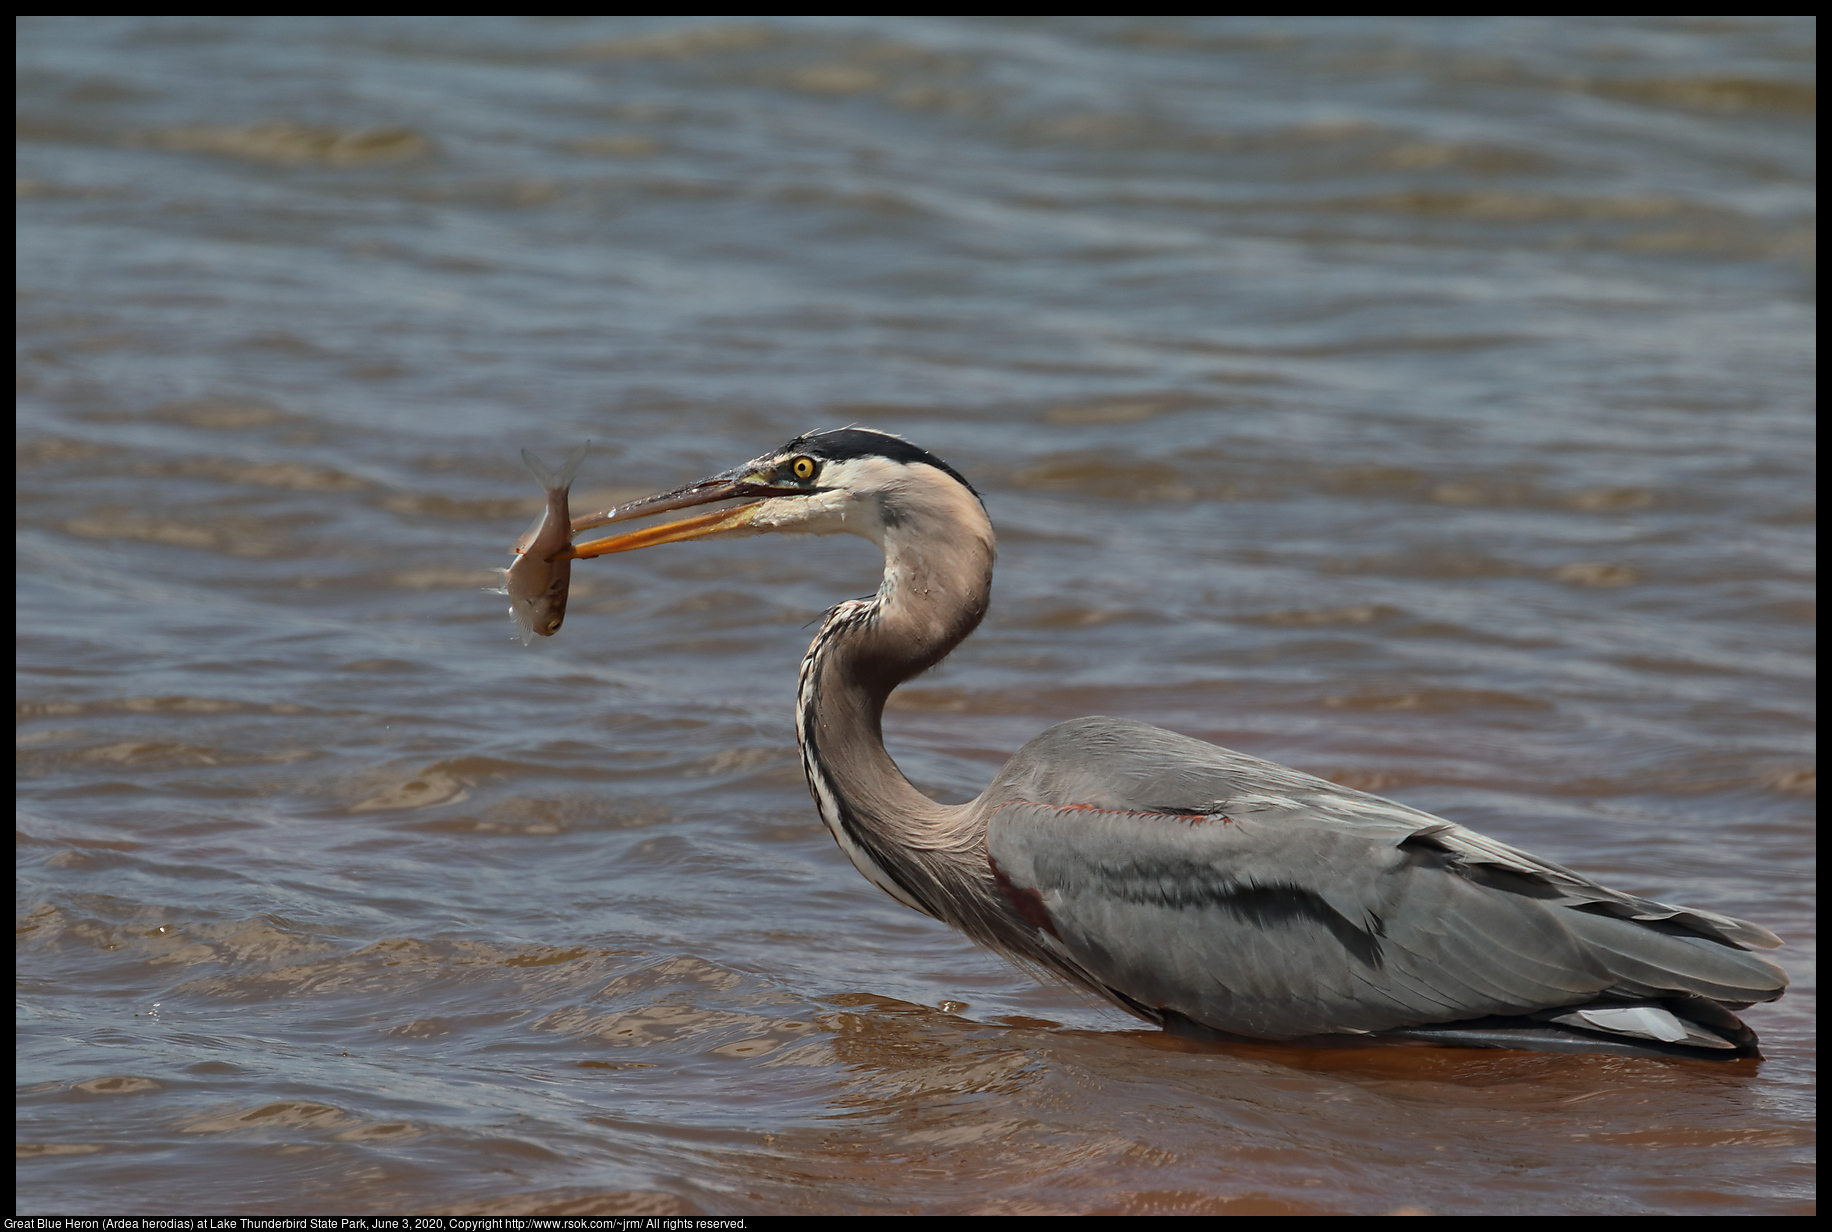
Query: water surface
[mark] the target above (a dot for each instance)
(1424, 404)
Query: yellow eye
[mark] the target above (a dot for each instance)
(803, 468)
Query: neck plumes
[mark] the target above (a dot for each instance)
(937, 584)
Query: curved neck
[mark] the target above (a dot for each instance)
(936, 588)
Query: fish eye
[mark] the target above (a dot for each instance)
(804, 467)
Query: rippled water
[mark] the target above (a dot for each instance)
(1421, 403)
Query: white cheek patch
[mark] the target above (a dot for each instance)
(825, 513)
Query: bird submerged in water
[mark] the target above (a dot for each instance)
(1201, 889)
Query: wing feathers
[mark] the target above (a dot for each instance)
(1301, 908)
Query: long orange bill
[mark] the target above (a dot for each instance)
(698, 527)
(727, 486)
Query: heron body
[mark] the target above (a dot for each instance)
(1199, 888)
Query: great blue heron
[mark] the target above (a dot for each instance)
(1201, 889)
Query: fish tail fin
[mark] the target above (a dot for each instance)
(571, 466)
(568, 469)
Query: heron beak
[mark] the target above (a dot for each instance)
(668, 532)
(733, 484)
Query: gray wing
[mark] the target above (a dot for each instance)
(1258, 900)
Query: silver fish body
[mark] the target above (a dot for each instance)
(537, 582)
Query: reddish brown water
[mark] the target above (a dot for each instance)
(1424, 404)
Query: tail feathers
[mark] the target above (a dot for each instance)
(568, 469)
(1673, 995)
(1656, 959)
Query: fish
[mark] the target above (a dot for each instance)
(538, 580)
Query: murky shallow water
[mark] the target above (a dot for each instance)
(1423, 404)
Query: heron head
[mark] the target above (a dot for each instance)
(842, 481)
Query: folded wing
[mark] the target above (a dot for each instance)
(1186, 880)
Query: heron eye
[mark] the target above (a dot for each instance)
(804, 468)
